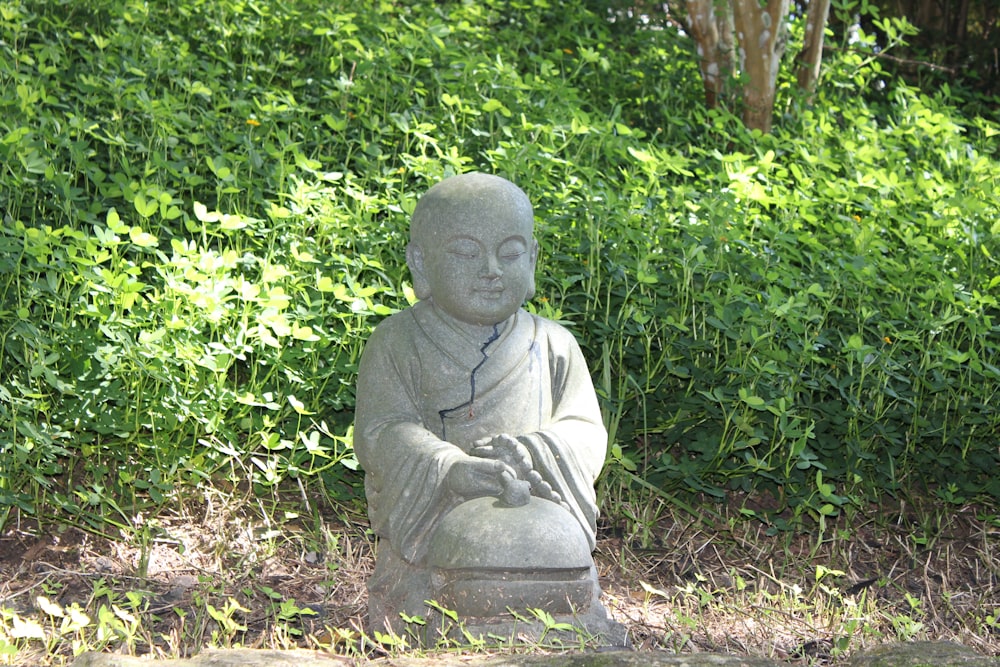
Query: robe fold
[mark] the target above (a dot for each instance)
(427, 391)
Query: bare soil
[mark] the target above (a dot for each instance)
(680, 583)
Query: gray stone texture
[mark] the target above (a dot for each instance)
(922, 654)
(917, 654)
(479, 431)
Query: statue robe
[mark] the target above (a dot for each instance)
(427, 391)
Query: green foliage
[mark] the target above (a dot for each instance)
(205, 213)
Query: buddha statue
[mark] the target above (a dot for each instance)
(479, 431)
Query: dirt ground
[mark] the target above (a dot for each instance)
(681, 583)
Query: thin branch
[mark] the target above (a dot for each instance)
(895, 59)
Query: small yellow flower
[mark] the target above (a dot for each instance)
(857, 218)
(568, 52)
(253, 122)
(888, 341)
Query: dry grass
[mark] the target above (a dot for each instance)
(899, 574)
(680, 583)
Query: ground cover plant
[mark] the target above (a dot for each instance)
(205, 208)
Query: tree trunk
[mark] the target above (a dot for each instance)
(712, 31)
(811, 55)
(761, 32)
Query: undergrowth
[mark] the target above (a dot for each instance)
(205, 210)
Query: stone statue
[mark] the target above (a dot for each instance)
(479, 430)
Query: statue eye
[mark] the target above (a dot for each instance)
(463, 249)
(511, 251)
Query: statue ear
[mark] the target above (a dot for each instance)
(415, 261)
(533, 261)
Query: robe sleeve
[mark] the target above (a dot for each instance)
(569, 452)
(405, 464)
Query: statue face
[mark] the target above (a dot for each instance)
(479, 265)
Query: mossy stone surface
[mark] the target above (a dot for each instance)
(913, 654)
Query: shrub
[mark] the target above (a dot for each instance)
(206, 208)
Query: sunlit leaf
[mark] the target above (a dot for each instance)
(304, 333)
(298, 405)
(641, 155)
(47, 606)
(325, 284)
(141, 238)
(22, 628)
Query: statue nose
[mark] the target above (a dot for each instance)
(491, 267)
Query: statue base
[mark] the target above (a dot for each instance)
(502, 573)
(551, 622)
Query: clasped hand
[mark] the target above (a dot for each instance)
(490, 459)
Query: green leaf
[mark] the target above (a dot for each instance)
(34, 163)
(145, 207)
(201, 212)
(641, 155)
(755, 402)
(298, 405)
(303, 333)
(114, 222)
(141, 238)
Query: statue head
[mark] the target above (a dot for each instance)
(471, 248)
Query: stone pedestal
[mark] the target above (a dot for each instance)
(493, 564)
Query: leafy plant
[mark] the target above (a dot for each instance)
(205, 212)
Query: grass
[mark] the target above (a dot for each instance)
(809, 600)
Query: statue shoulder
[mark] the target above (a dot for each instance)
(559, 338)
(393, 334)
(405, 321)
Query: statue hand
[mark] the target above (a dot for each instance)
(507, 449)
(475, 477)
(541, 488)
